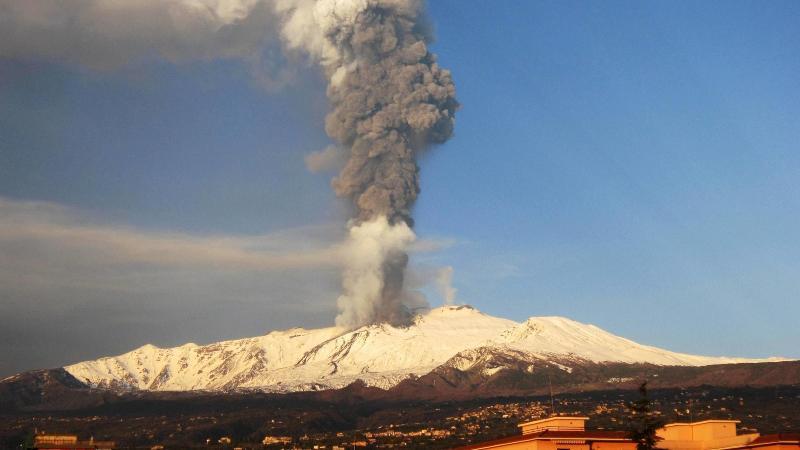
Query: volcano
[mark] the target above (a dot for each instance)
(381, 355)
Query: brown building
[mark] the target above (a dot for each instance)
(721, 435)
(559, 433)
(69, 442)
(569, 433)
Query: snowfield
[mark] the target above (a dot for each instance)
(381, 355)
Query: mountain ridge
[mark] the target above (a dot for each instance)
(378, 355)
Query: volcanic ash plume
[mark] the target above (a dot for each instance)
(391, 100)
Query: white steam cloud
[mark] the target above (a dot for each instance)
(390, 101)
(444, 285)
(369, 245)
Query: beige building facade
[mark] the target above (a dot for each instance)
(559, 433)
(569, 433)
(705, 435)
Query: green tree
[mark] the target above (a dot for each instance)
(642, 421)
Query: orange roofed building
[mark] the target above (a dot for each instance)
(559, 433)
(721, 435)
(569, 433)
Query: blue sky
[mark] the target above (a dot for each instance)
(628, 164)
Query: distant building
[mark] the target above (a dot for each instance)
(569, 433)
(69, 442)
(268, 440)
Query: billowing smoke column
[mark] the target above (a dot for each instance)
(390, 101)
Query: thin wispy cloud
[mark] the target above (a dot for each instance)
(44, 225)
(63, 269)
(61, 230)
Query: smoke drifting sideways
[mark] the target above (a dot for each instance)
(390, 99)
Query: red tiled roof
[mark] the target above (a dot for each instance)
(550, 434)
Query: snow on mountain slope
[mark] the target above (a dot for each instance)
(561, 336)
(380, 355)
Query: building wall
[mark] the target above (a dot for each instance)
(736, 441)
(555, 424)
(614, 446)
(55, 439)
(554, 445)
(563, 445)
(701, 431)
(516, 446)
(702, 435)
(777, 446)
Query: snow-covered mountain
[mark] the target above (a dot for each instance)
(380, 355)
